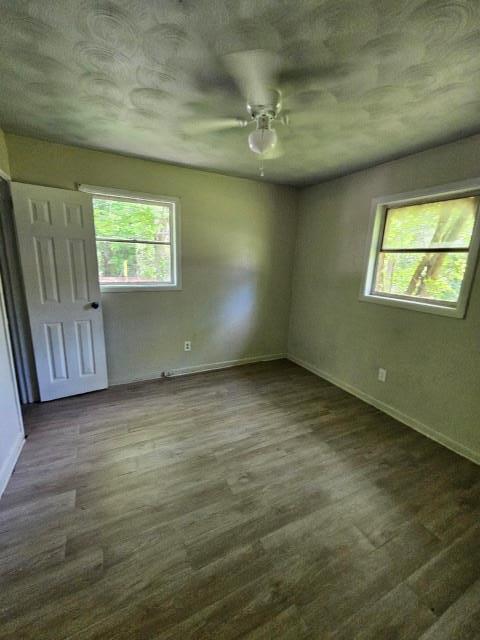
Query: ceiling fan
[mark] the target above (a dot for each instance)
(254, 72)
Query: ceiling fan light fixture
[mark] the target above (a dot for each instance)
(262, 139)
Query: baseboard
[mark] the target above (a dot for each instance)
(209, 366)
(440, 438)
(9, 464)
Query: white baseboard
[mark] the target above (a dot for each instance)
(209, 366)
(226, 364)
(453, 445)
(9, 464)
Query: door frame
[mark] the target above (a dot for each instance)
(19, 326)
(10, 461)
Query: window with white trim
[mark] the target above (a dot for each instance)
(137, 240)
(423, 252)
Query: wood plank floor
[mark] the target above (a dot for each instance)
(258, 502)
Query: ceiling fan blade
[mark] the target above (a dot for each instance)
(211, 125)
(255, 73)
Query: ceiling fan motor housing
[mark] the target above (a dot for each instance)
(264, 138)
(270, 109)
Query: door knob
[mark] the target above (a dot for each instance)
(95, 305)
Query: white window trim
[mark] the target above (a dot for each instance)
(378, 215)
(119, 194)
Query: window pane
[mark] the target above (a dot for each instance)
(436, 276)
(131, 220)
(444, 224)
(125, 262)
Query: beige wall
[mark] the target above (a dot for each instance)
(238, 240)
(4, 162)
(237, 251)
(433, 362)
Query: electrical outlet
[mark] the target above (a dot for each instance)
(187, 345)
(382, 375)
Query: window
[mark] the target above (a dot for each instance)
(137, 240)
(423, 250)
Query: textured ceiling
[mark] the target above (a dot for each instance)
(362, 80)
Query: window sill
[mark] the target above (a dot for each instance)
(129, 288)
(424, 307)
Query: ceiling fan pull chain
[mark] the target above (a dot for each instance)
(262, 172)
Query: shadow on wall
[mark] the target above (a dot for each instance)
(236, 320)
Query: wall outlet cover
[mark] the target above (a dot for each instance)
(382, 375)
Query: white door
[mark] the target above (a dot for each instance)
(56, 238)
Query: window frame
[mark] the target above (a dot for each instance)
(378, 219)
(106, 193)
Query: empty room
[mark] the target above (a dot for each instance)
(239, 320)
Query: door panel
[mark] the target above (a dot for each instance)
(55, 348)
(85, 348)
(40, 214)
(59, 264)
(73, 215)
(78, 270)
(46, 269)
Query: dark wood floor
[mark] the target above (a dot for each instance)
(259, 502)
